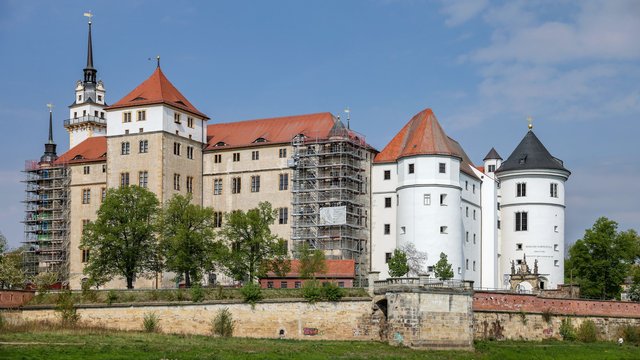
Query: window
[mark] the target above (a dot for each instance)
(519, 262)
(141, 130)
(387, 229)
(104, 168)
(101, 114)
(236, 185)
(104, 194)
(443, 229)
(466, 236)
(143, 179)
(283, 284)
(236, 157)
(126, 117)
(555, 228)
(297, 284)
(387, 202)
(190, 184)
(474, 214)
(466, 264)
(473, 188)
(519, 247)
(144, 146)
(142, 115)
(553, 189)
(99, 97)
(217, 159)
(176, 148)
(217, 186)
(86, 196)
(255, 155)
(474, 265)
(125, 147)
(255, 183)
(474, 238)
(429, 268)
(190, 122)
(521, 189)
(269, 284)
(85, 255)
(403, 230)
(466, 185)
(387, 258)
(189, 152)
(492, 168)
(176, 182)
(467, 211)
(340, 284)
(442, 168)
(555, 247)
(387, 174)
(427, 199)
(86, 170)
(459, 270)
(498, 224)
(176, 118)
(85, 223)
(79, 97)
(284, 182)
(124, 179)
(283, 215)
(521, 221)
(498, 206)
(412, 168)
(443, 198)
(282, 153)
(217, 219)
(556, 263)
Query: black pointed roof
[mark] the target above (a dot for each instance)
(493, 154)
(531, 154)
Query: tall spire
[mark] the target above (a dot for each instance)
(49, 147)
(89, 71)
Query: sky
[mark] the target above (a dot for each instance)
(482, 66)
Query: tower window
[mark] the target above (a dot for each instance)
(104, 194)
(86, 196)
(142, 115)
(282, 153)
(283, 216)
(491, 168)
(553, 189)
(124, 179)
(190, 152)
(85, 255)
(255, 183)
(466, 264)
(176, 148)
(387, 229)
(442, 168)
(176, 118)
(518, 247)
(427, 199)
(236, 185)
(190, 184)
(387, 257)
(99, 97)
(255, 155)
(217, 158)
(126, 117)
(144, 146)
(125, 148)
(443, 229)
(412, 168)
(473, 188)
(236, 157)
(387, 174)
(86, 170)
(466, 236)
(284, 182)
(521, 221)
(474, 265)
(466, 211)
(387, 202)
(176, 182)
(217, 186)
(190, 122)
(474, 214)
(443, 198)
(143, 179)
(521, 189)
(556, 263)
(217, 219)
(79, 97)
(555, 247)
(474, 238)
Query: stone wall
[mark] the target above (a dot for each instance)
(345, 320)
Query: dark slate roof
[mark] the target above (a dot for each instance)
(531, 154)
(493, 154)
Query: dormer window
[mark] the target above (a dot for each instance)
(181, 103)
(221, 143)
(523, 160)
(77, 157)
(176, 118)
(260, 140)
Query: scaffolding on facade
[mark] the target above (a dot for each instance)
(330, 196)
(46, 221)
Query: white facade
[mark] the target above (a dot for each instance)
(87, 116)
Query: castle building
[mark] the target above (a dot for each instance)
(330, 189)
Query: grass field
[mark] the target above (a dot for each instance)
(100, 344)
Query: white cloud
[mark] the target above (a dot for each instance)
(461, 11)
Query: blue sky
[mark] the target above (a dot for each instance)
(482, 66)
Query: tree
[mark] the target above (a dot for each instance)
(601, 260)
(187, 242)
(312, 261)
(415, 258)
(250, 245)
(122, 239)
(398, 265)
(11, 273)
(443, 269)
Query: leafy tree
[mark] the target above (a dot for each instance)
(415, 259)
(122, 239)
(250, 243)
(312, 261)
(398, 263)
(443, 269)
(11, 273)
(281, 264)
(3, 243)
(187, 242)
(602, 259)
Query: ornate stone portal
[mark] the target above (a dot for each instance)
(522, 279)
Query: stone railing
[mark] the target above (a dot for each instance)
(420, 283)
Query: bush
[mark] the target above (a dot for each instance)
(311, 291)
(3, 322)
(222, 325)
(547, 315)
(180, 295)
(251, 293)
(151, 322)
(332, 292)
(197, 293)
(587, 332)
(112, 297)
(567, 331)
(631, 334)
(154, 295)
(66, 309)
(88, 294)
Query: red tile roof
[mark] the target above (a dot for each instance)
(90, 150)
(335, 269)
(157, 89)
(423, 135)
(273, 130)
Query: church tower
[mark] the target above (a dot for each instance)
(86, 114)
(532, 211)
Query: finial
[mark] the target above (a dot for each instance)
(89, 15)
(530, 121)
(50, 106)
(348, 112)
(158, 60)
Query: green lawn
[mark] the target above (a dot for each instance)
(97, 344)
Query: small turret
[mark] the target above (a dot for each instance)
(492, 161)
(49, 147)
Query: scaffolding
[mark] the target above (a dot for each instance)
(330, 196)
(46, 221)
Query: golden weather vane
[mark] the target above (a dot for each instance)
(530, 121)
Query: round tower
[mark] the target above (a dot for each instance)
(532, 212)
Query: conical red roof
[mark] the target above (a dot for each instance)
(157, 89)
